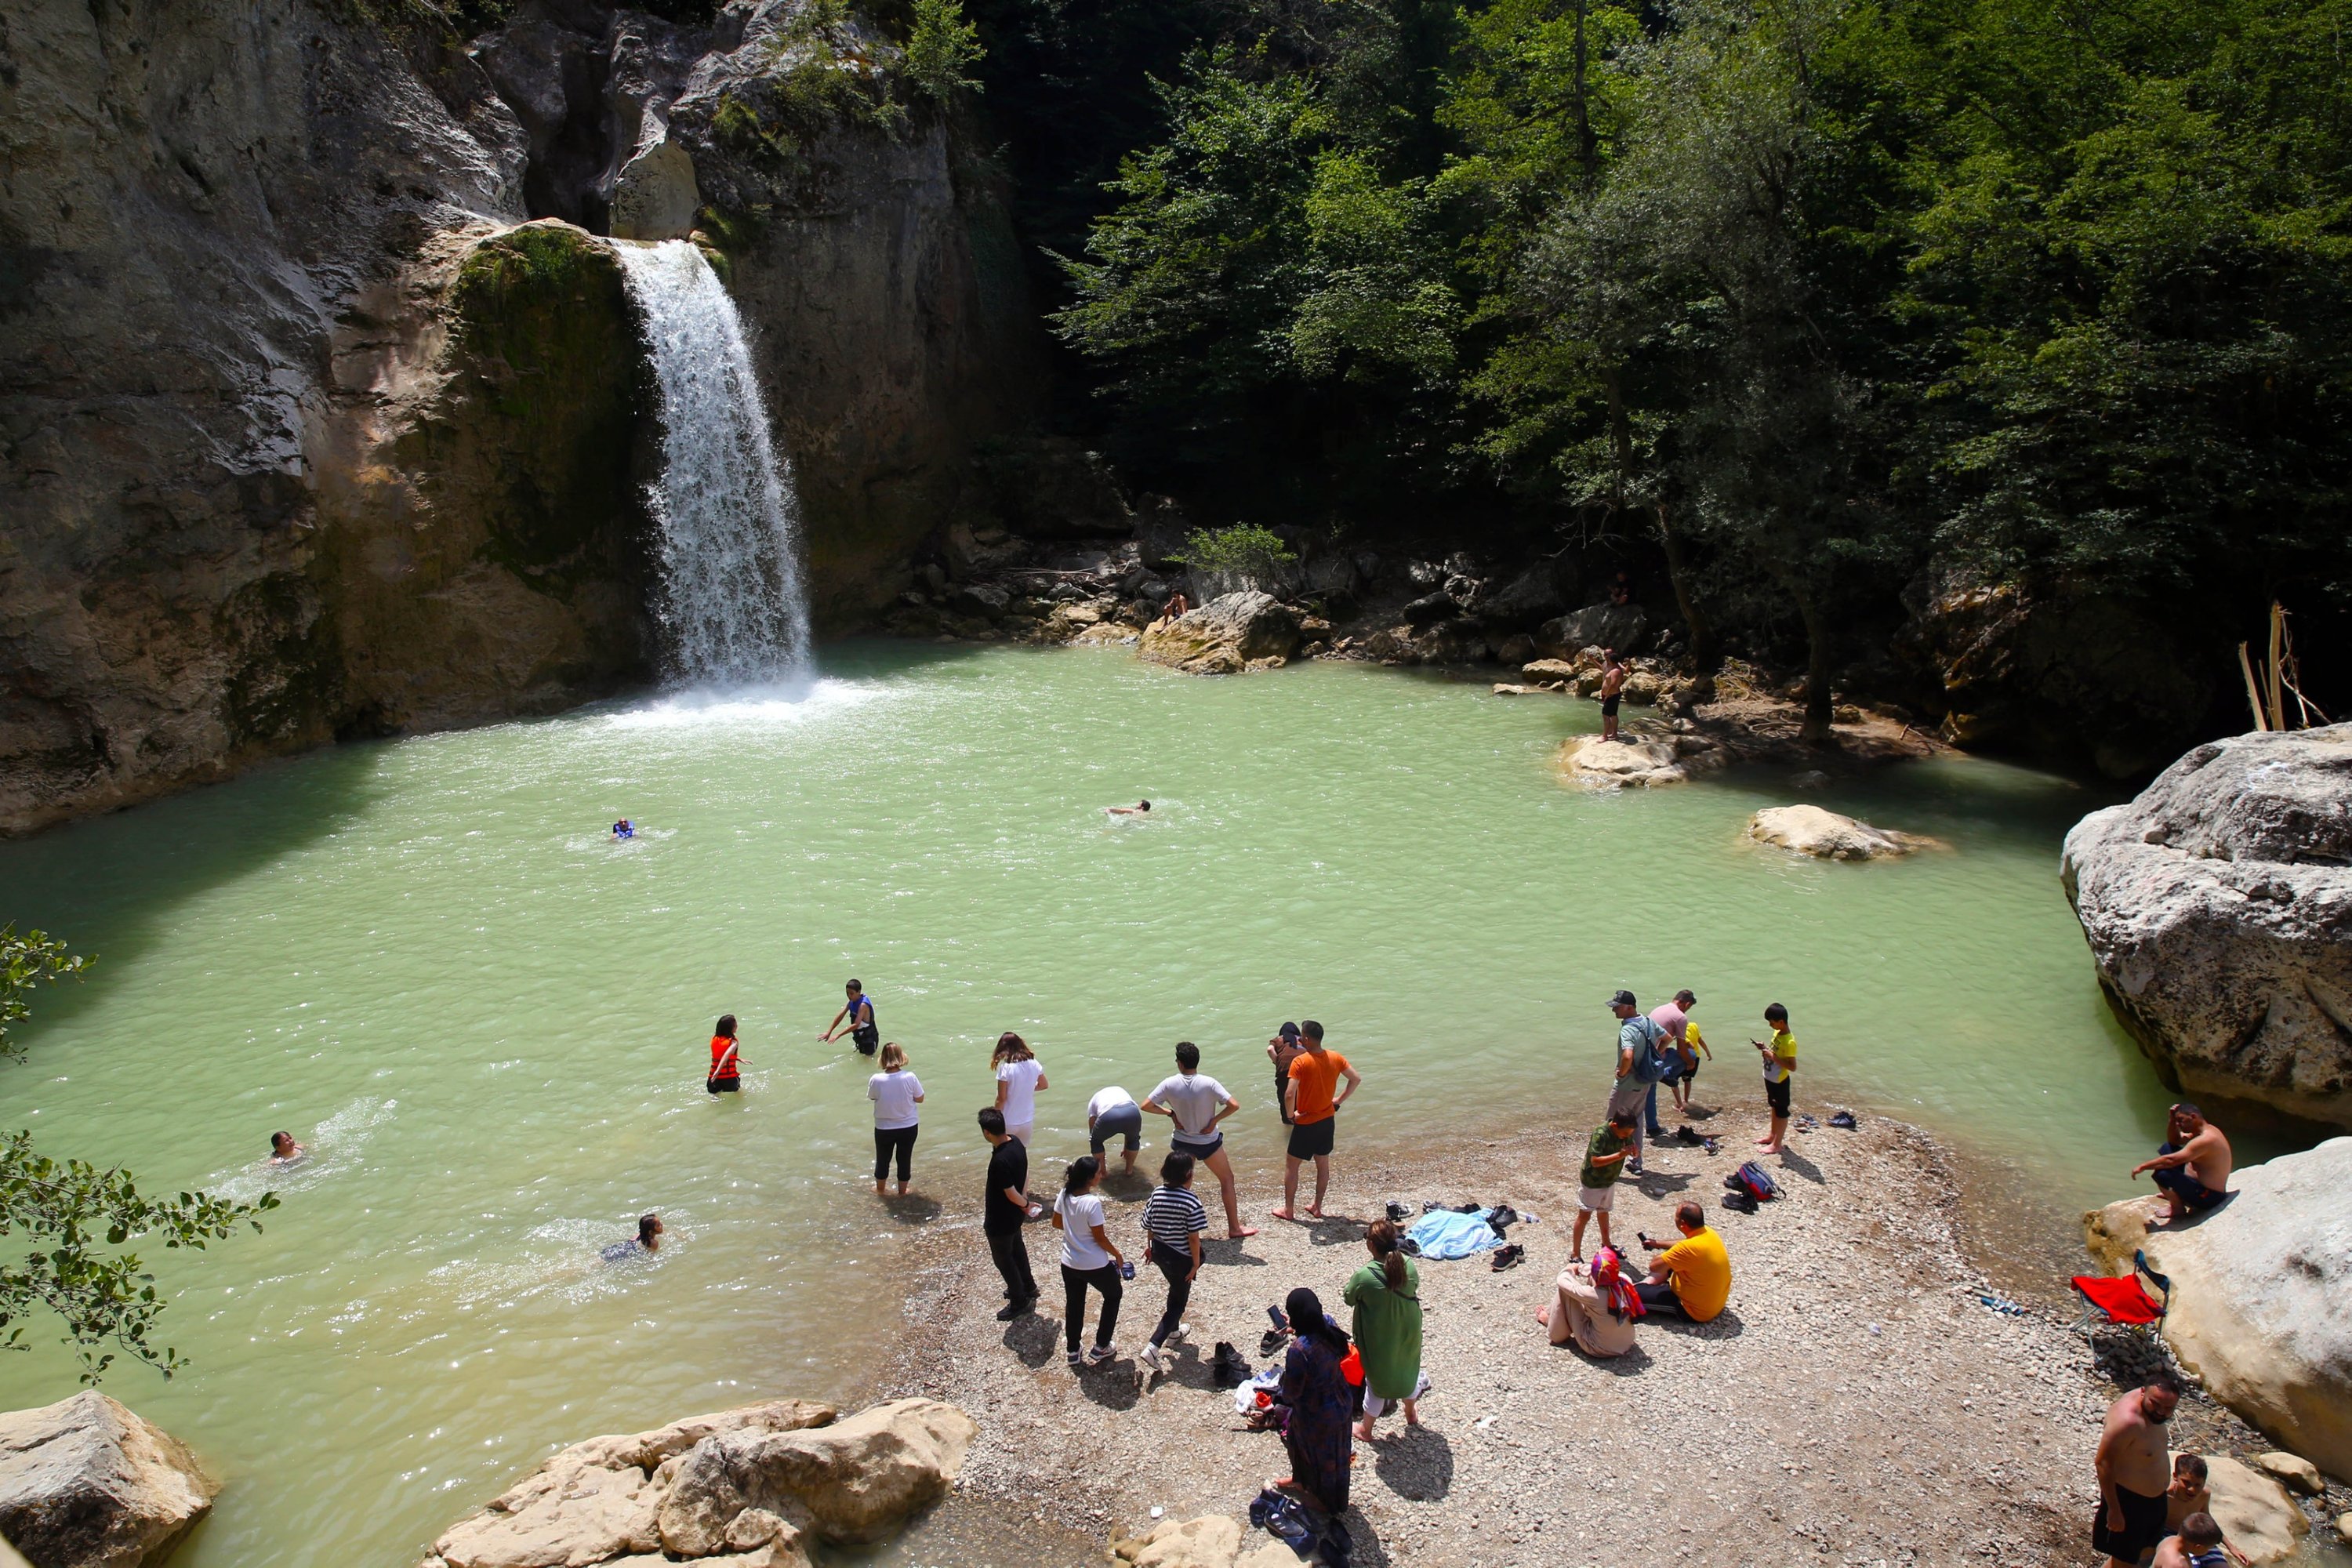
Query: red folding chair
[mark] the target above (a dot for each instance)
(2122, 1300)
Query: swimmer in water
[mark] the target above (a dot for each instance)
(1141, 809)
(284, 1151)
(650, 1235)
(623, 829)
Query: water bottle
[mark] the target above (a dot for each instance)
(1126, 1270)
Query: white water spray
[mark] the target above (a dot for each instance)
(730, 603)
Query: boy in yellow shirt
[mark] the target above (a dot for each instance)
(1780, 1066)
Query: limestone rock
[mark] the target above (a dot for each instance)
(2343, 1528)
(1639, 761)
(1212, 1540)
(85, 1483)
(854, 1481)
(2256, 1516)
(1809, 830)
(1225, 636)
(654, 196)
(2262, 1295)
(1621, 627)
(1543, 669)
(598, 1499)
(2293, 1471)
(2218, 906)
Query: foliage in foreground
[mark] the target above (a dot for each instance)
(78, 1218)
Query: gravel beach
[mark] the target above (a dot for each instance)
(1858, 1403)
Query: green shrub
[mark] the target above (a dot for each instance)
(939, 46)
(1244, 548)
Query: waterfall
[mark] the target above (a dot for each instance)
(730, 602)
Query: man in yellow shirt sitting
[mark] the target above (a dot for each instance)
(1691, 1278)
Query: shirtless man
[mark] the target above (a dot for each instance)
(284, 1151)
(2193, 1165)
(1612, 684)
(2134, 1472)
(1141, 809)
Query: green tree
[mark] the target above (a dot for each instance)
(78, 1218)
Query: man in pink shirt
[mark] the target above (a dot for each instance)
(1669, 1016)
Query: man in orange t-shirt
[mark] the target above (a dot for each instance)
(1312, 1098)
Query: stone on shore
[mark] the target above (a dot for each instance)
(1639, 762)
(2256, 1516)
(1231, 633)
(2293, 1471)
(2262, 1295)
(2218, 906)
(598, 1499)
(852, 1482)
(1809, 830)
(1212, 1541)
(85, 1483)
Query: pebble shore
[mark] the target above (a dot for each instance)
(1857, 1404)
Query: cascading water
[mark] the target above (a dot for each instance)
(730, 603)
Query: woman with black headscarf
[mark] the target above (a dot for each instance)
(1321, 1407)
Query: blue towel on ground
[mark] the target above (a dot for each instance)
(1441, 1235)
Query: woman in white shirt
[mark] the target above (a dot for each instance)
(1019, 1077)
(894, 1092)
(1088, 1258)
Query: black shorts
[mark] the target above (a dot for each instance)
(723, 1085)
(1777, 1095)
(1609, 705)
(868, 1038)
(1309, 1140)
(2143, 1526)
(1689, 1073)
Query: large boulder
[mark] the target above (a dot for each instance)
(2262, 1295)
(854, 1481)
(84, 1483)
(598, 1501)
(2257, 1518)
(2219, 909)
(1809, 830)
(1621, 627)
(1639, 762)
(1229, 634)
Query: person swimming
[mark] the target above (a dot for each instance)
(648, 1240)
(623, 829)
(284, 1151)
(1141, 809)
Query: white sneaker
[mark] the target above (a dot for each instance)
(1150, 1356)
(1183, 1331)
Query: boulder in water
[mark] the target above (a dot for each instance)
(1229, 634)
(2262, 1295)
(85, 1483)
(598, 1499)
(1643, 762)
(2218, 906)
(1809, 830)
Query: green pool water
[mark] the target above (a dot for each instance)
(426, 959)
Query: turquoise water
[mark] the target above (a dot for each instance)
(424, 958)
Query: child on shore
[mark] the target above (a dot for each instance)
(1693, 1047)
(1779, 1064)
(1596, 1192)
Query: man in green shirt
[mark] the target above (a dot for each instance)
(1605, 1161)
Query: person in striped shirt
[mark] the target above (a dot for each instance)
(1173, 1220)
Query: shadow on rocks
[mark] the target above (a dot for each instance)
(1333, 1230)
(1418, 1466)
(1112, 1385)
(1724, 1325)
(1792, 1161)
(1226, 1252)
(1662, 1183)
(912, 1209)
(1033, 1340)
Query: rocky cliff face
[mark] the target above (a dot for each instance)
(285, 454)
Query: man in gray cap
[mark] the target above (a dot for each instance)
(1637, 1068)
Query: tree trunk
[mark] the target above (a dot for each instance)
(1706, 649)
(1816, 730)
(1588, 144)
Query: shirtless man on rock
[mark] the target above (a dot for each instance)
(2134, 1472)
(2193, 1165)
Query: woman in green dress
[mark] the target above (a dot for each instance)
(1386, 1296)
